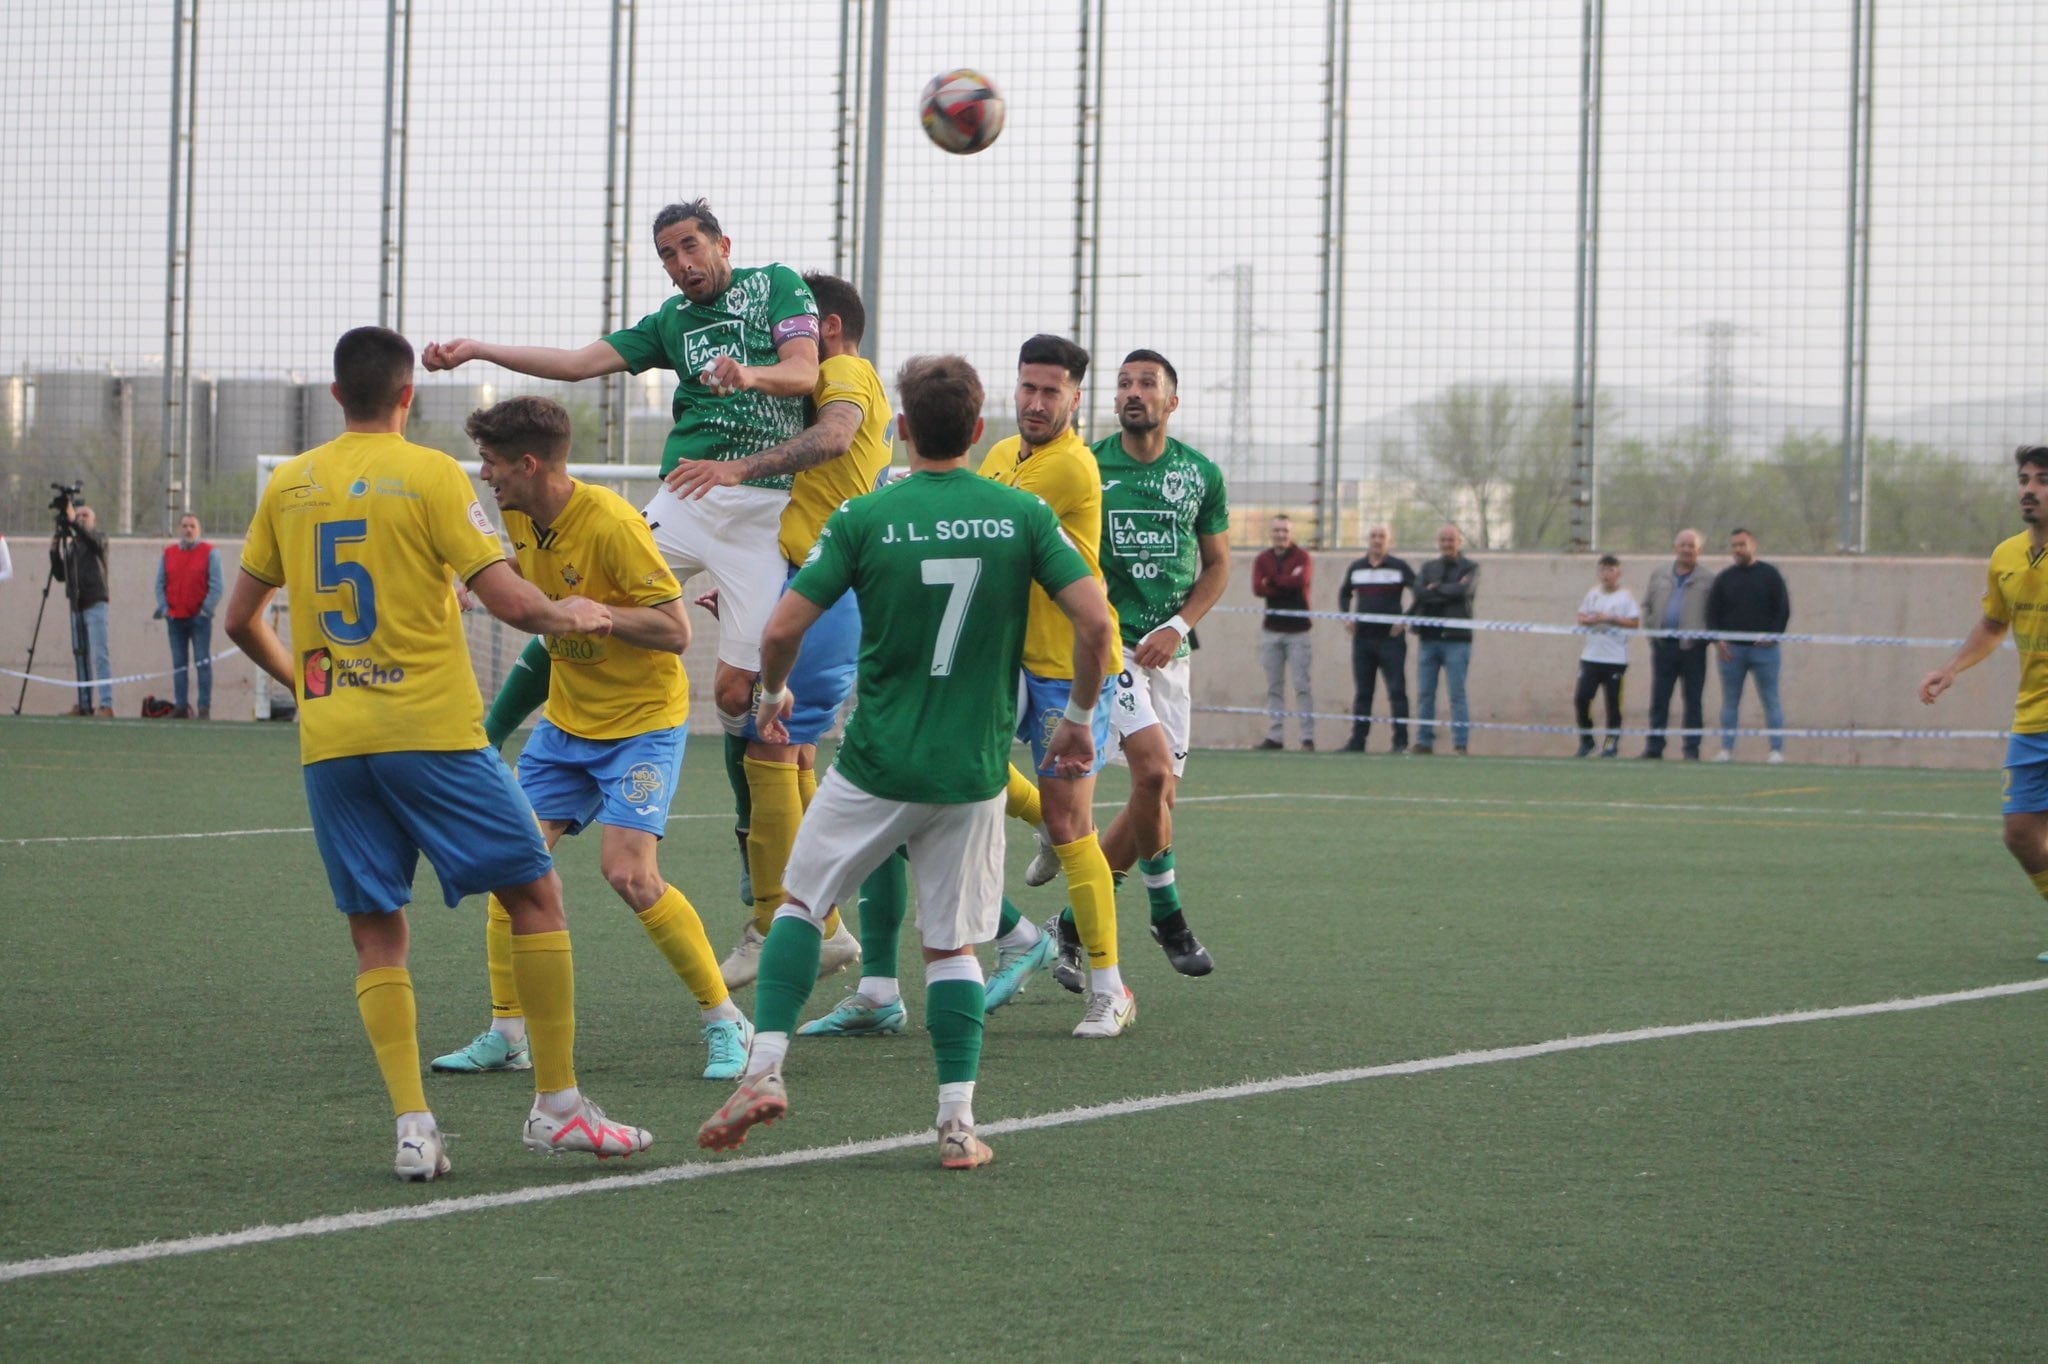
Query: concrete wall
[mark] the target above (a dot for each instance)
(1515, 679)
(1528, 679)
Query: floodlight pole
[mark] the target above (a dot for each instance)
(1853, 537)
(618, 204)
(871, 210)
(177, 267)
(1585, 486)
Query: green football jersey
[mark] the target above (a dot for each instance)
(764, 307)
(1152, 516)
(943, 564)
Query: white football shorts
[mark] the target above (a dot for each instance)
(956, 857)
(1154, 696)
(734, 535)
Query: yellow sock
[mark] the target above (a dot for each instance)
(1093, 893)
(384, 998)
(806, 785)
(673, 924)
(547, 987)
(2040, 880)
(778, 808)
(498, 953)
(1024, 803)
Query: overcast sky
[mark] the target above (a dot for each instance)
(1723, 192)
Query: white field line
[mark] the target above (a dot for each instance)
(1638, 807)
(1730, 807)
(816, 1155)
(216, 833)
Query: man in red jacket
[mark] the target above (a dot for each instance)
(188, 586)
(1281, 575)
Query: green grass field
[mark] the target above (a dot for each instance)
(182, 1058)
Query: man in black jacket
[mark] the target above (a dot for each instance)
(1445, 588)
(78, 559)
(1372, 587)
(1749, 596)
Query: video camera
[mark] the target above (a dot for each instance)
(61, 504)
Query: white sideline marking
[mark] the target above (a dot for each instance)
(1640, 806)
(444, 1207)
(215, 833)
(1731, 807)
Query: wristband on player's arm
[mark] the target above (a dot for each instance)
(1080, 714)
(1176, 622)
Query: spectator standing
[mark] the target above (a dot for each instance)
(188, 586)
(1372, 587)
(78, 559)
(1748, 597)
(1677, 600)
(1609, 608)
(1282, 575)
(1445, 589)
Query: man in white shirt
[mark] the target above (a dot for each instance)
(1608, 609)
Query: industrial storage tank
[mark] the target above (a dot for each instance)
(320, 418)
(439, 412)
(73, 402)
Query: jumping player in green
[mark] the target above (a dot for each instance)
(943, 562)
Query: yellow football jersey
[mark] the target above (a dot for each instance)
(2017, 595)
(361, 533)
(1064, 474)
(817, 493)
(600, 548)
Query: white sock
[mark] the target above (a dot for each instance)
(965, 967)
(511, 1029)
(766, 1055)
(725, 1011)
(561, 1103)
(1023, 935)
(880, 989)
(956, 1102)
(422, 1121)
(1106, 980)
(1154, 881)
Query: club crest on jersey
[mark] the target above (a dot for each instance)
(570, 575)
(1174, 486)
(642, 782)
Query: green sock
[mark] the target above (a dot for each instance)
(1011, 916)
(1067, 921)
(736, 774)
(789, 968)
(1160, 889)
(884, 900)
(953, 1012)
(525, 691)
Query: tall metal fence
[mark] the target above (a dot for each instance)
(1570, 273)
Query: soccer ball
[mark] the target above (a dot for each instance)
(962, 111)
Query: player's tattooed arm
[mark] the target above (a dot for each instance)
(824, 440)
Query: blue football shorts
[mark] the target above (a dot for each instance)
(627, 783)
(1042, 704)
(375, 813)
(823, 676)
(2026, 774)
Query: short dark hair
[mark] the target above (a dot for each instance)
(837, 298)
(523, 426)
(1742, 530)
(2031, 454)
(1153, 357)
(1047, 349)
(1609, 561)
(372, 367)
(699, 209)
(942, 399)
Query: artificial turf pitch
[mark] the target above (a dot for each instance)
(182, 1057)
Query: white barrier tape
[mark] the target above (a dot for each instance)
(1672, 731)
(1524, 627)
(229, 652)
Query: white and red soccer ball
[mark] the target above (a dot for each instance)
(962, 111)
